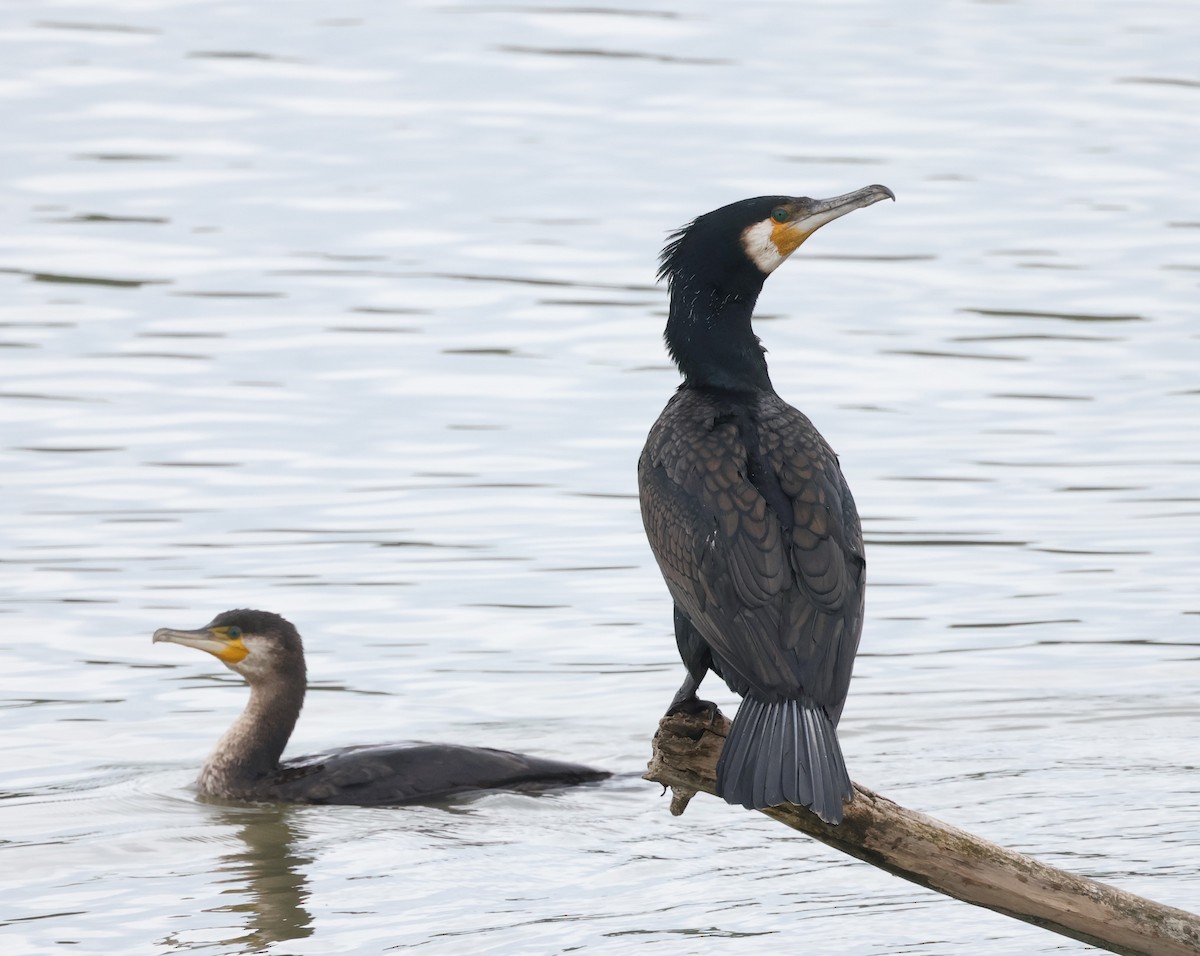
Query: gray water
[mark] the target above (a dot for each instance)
(347, 311)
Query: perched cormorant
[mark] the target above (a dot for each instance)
(750, 518)
(266, 650)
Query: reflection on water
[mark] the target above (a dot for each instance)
(270, 872)
(352, 316)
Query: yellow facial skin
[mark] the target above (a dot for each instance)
(787, 236)
(769, 242)
(234, 650)
(215, 640)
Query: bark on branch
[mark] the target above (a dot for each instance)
(941, 857)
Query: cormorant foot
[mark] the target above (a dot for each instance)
(693, 707)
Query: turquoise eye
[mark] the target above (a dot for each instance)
(234, 633)
(780, 214)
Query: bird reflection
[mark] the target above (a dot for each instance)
(267, 873)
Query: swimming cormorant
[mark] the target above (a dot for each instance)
(749, 517)
(266, 650)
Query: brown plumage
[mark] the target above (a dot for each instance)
(750, 518)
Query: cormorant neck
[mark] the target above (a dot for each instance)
(709, 336)
(250, 749)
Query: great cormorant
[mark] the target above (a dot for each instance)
(749, 516)
(266, 650)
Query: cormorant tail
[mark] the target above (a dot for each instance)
(784, 752)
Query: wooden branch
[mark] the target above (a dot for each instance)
(940, 857)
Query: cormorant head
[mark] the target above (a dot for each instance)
(734, 248)
(716, 266)
(256, 644)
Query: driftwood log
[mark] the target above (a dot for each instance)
(940, 857)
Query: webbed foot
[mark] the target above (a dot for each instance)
(692, 706)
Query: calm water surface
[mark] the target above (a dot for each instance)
(347, 311)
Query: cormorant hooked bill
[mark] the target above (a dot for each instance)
(266, 650)
(749, 517)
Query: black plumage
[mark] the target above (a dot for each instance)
(750, 518)
(266, 650)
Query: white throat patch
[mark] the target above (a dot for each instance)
(760, 247)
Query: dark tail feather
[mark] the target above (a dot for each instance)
(784, 752)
